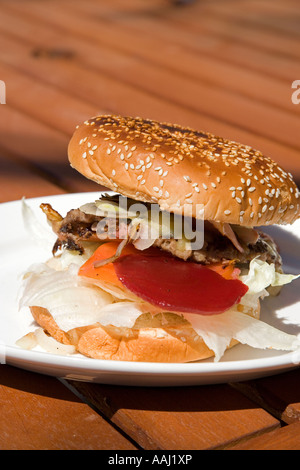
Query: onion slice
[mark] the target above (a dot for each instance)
(51, 345)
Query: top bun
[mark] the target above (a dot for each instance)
(184, 170)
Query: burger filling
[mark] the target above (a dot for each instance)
(104, 272)
(222, 243)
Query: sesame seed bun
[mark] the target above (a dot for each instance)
(182, 169)
(160, 339)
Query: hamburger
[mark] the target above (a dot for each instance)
(125, 283)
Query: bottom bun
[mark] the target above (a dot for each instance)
(164, 338)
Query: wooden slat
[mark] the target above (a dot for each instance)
(144, 17)
(278, 394)
(186, 61)
(284, 438)
(116, 96)
(17, 181)
(198, 418)
(214, 102)
(41, 149)
(40, 413)
(281, 17)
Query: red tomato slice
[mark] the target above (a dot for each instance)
(176, 285)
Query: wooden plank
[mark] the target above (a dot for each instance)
(17, 181)
(207, 417)
(243, 32)
(42, 149)
(117, 97)
(40, 413)
(279, 394)
(281, 17)
(51, 106)
(260, 118)
(181, 60)
(194, 64)
(284, 438)
(145, 18)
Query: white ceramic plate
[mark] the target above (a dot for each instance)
(18, 250)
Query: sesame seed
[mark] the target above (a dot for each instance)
(252, 189)
(187, 179)
(227, 212)
(84, 155)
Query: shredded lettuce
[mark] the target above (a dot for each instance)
(217, 332)
(73, 301)
(262, 275)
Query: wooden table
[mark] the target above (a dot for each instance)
(222, 66)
